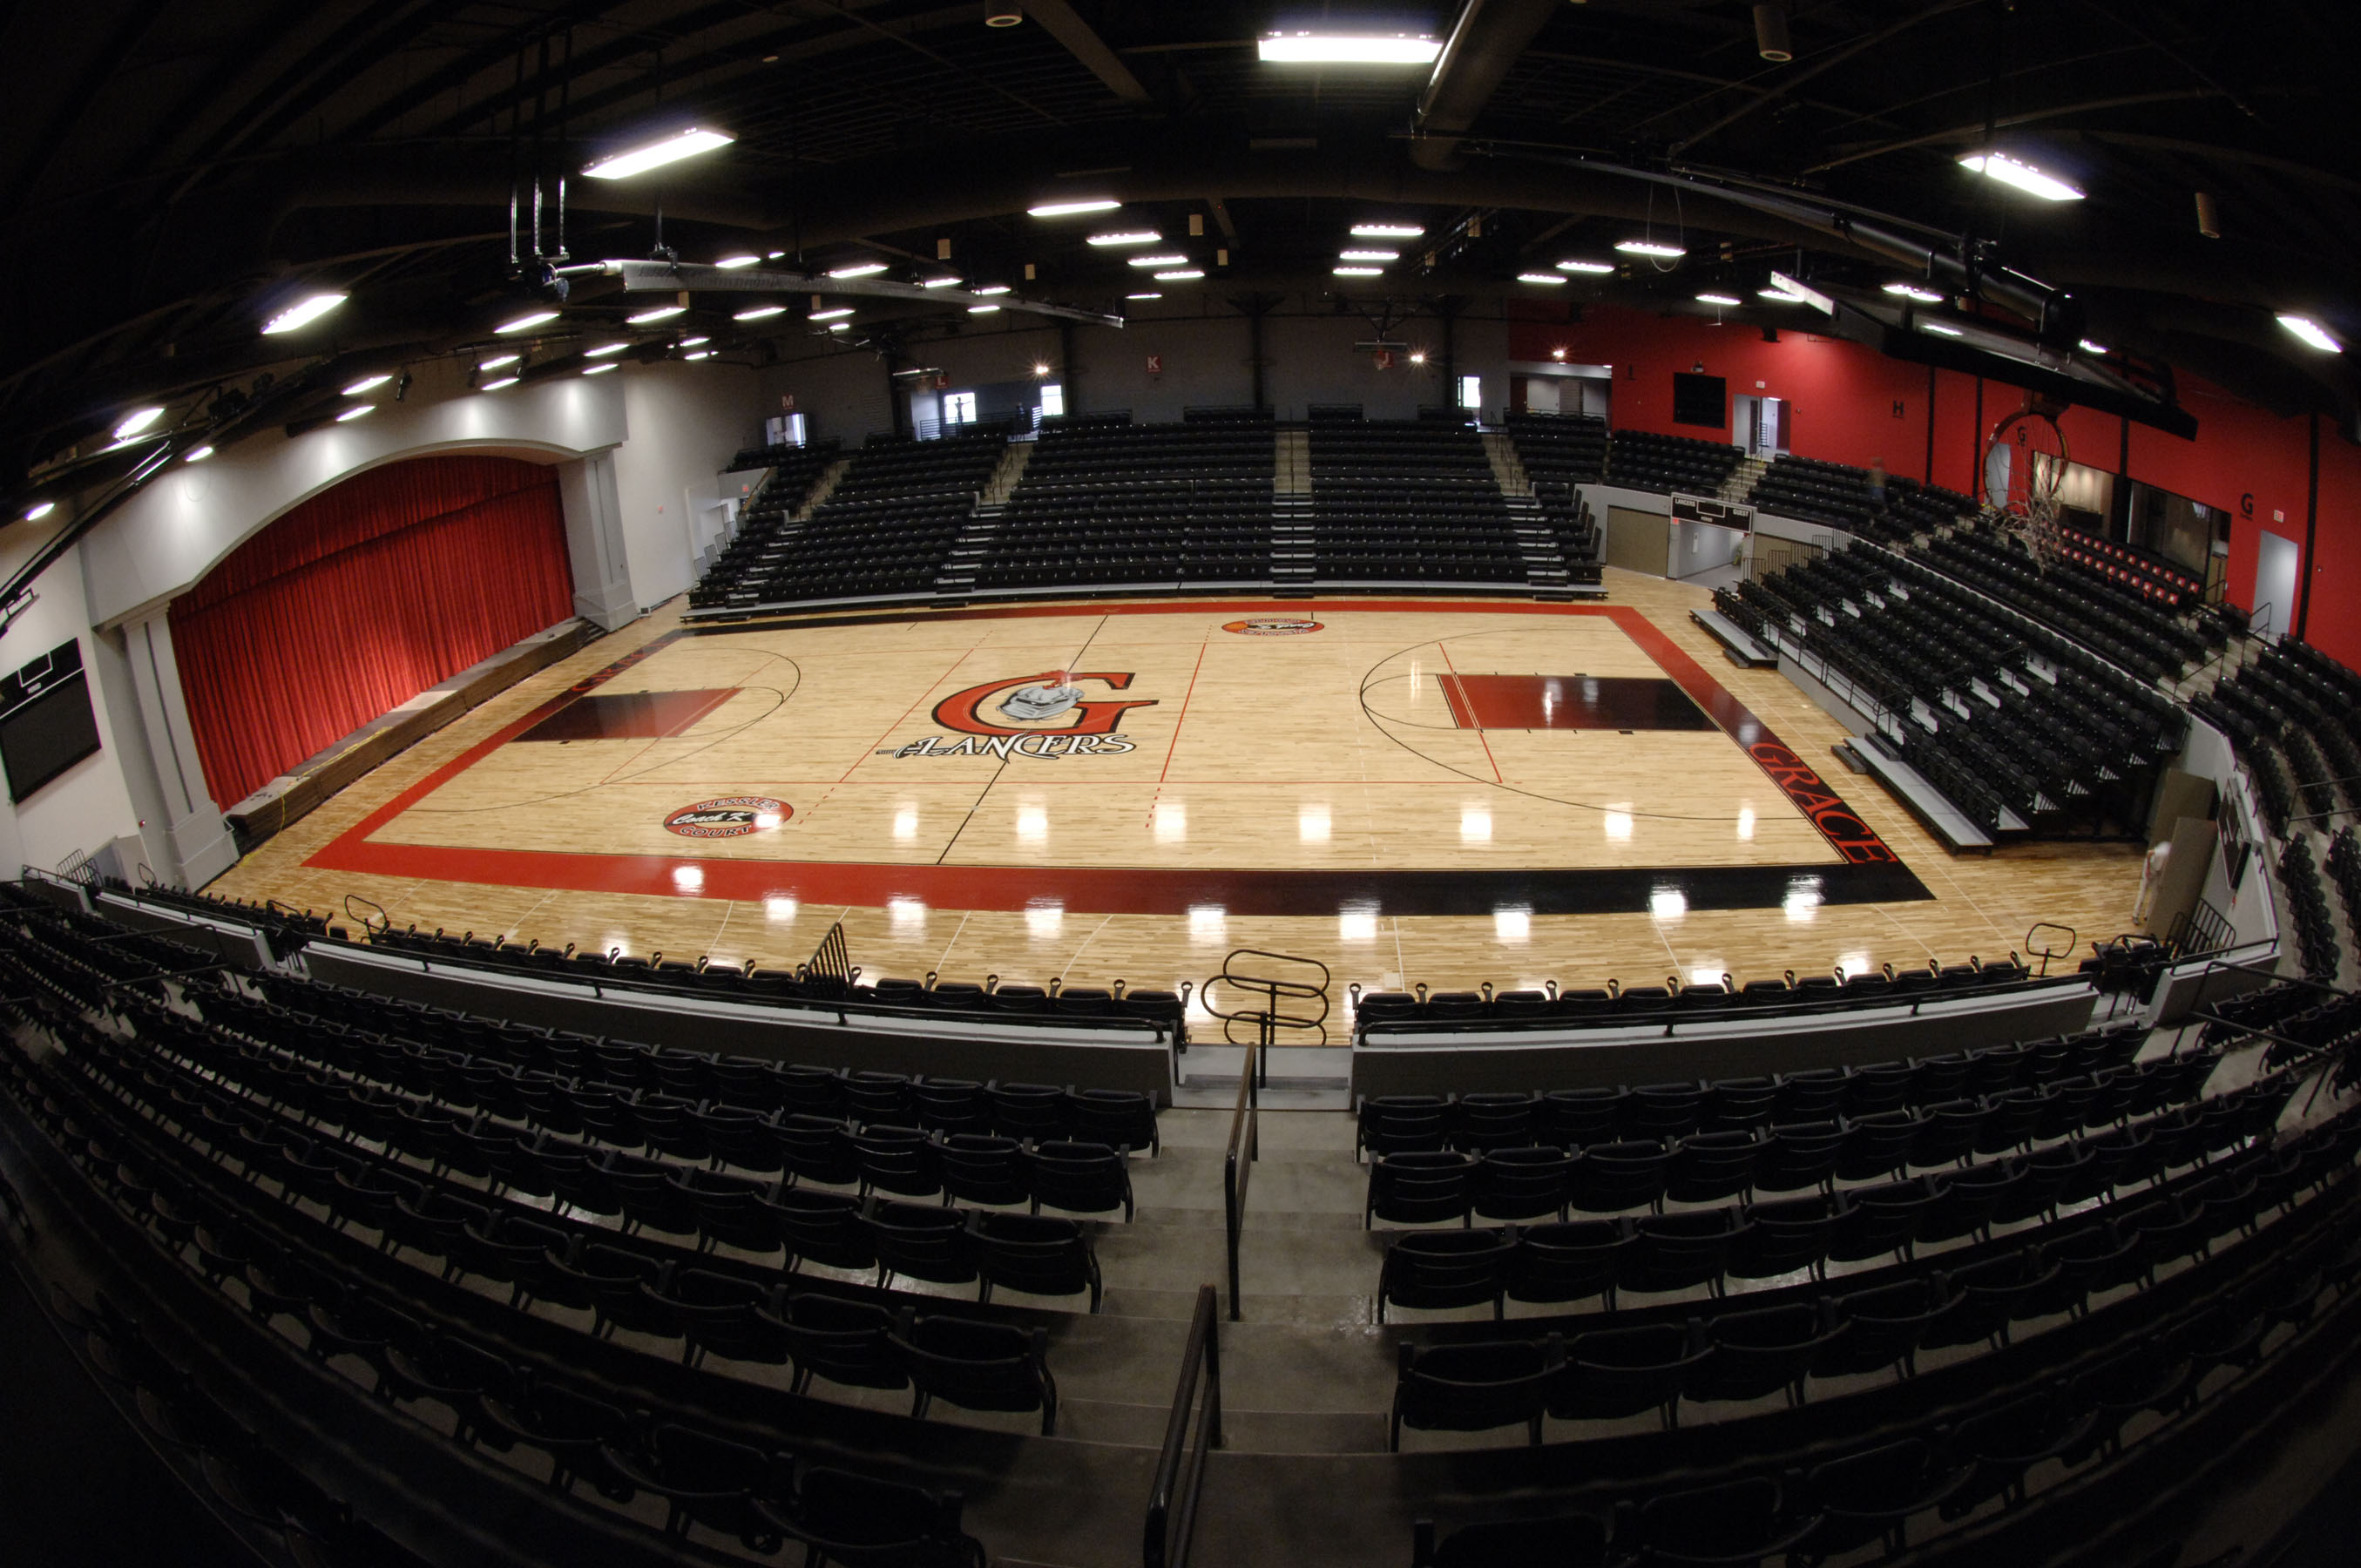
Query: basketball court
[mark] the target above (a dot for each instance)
(1408, 790)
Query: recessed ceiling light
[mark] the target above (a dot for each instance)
(1128, 237)
(1068, 209)
(938, 283)
(656, 154)
(196, 455)
(1590, 267)
(1388, 231)
(858, 270)
(1358, 271)
(41, 510)
(1369, 255)
(302, 313)
(497, 360)
(1157, 261)
(2022, 175)
(1180, 274)
(837, 315)
(2090, 348)
(1781, 295)
(366, 384)
(981, 310)
(2312, 332)
(773, 255)
(692, 341)
(503, 381)
(657, 314)
(700, 354)
(1550, 278)
(731, 263)
(1149, 296)
(839, 326)
(601, 369)
(1651, 247)
(759, 312)
(1348, 48)
(358, 411)
(990, 289)
(1925, 296)
(1720, 300)
(136, 421)
(604, 350)
(1939, 330)
(526, 322)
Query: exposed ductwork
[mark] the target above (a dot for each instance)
(1487, 41)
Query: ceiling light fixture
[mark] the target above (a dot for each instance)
(1388, 231)
(731, 263)
(1651, 247)
(981, 310)
(503, 381)
(2022, 175)
(1720, 300)
(2311, 333)
(41, 511)
(700, 354)
(839, 326)
(1771, 39)
(1781, 295)
(692, 341)
(1925, 296)
(759, 312)
(1069, 209)
(1348, 48)
(1359, 271)
(601, 369)
(136, 421)
(197, 455)
(366, 384)
(2090, 348)
(1180, 276)
(358, 411)
(495, 363)
(604, 350)
(302, 313)
(837, 315)
(525, 323)
(1128, 237)
(1369, 255)
(1147, 296)
(1939, 330)
(1550, 278)
(656, 154)
(990, 289)
(1157, 261)
(938, 283)
(1594, 267)
(659, 314)
(858, 270)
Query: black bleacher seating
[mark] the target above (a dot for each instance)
(1139, 505)
(1642, 460)
(1838, 495)
(1407, 501)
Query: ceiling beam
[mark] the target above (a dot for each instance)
(1059, 20)
(1828, 61)
(1483, 45)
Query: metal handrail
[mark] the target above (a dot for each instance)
(1180, 1466)
(1245, 1139)
(1269, 1020)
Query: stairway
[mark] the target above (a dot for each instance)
(821, 491)
(1507, 469)
(957, 578)
(1741, 483)
(1002, 483)
(1292, 457)
(1292, 553)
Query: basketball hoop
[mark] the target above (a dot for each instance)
(2024, 468)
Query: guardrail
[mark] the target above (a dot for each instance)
(1237, 1163)
(1180, 1466)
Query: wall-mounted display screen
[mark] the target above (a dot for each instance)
(1700, 399)
(47, 724)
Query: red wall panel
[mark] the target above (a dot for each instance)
(360, 599)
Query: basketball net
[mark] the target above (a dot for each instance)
(2020, 498)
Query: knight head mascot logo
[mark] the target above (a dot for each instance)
(1029, 700)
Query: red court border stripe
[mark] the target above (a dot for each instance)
(1097, 889)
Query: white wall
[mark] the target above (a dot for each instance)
(686, 423)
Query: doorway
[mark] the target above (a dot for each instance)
(1758, 426)
(2276, 562)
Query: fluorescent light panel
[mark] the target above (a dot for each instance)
(41, 511)
(1594, 267)
(196, 455)
(302, 313)
(656, 154)
(981, 310)
(497, 360)
(526, 322)
(991, 289)
(136, 421)
(1925, 296)
(2090, 348)
(604, 350)
(1718, 300)
(1157, 261)
(1069, 209)
(2023, 176)
(1180, 276)
(1550, 278)
(1147, 296)
(1651, 247)
(1369, 255)
(731, 263)
(938, 283)
(759, 312)
(1348, 48)
(1128, 237)
(1388, 231)
(2311, 333)
(358, 411)
(1939, 330)
(661, 312)
(366, 384)
(503, 381)
(1359, 271)
(858, 270)
(837, 315)
(601, 369)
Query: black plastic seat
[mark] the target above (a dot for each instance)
(1610, 1178)
(1475, 1388)
(1620, 1371)
(1481, 1123)
(1401, 1124)
(1417, 1188)
(1788, 1235)
(1709, 1166)
(1735, 1522)
(706, 1479)
(1436, 1269)
(1799, 1155)
(1032, 1111)
(818, 1148)
(920, 1241)
(1523, 1183)
(860, 1522)
(1875, 1220)
(1886, 1324)
(977, 1366)
(1674, 1252)
(1570, 1541)
(983, 1168)
(843, 1342)
(1767, 1351)
(1871, 1495)
(1569, 1262)
(1080, 1178)
(1039, 1254)
(1120, 1118)
(902, 1160)
(825, 1228)
(1576, 1118)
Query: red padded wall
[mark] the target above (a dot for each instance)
(360, 599)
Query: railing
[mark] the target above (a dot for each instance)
(1237, 1163)
(831, 964)
(2198, 931)
(2048, 946)
(1273, 988)
(1181, 1467)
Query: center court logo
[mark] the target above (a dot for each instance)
(729, 817)
(1020, 718)
(1270, 626)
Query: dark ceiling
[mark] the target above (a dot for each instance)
(172, 173)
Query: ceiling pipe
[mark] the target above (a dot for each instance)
(1487, 41)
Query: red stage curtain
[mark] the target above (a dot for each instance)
(359, 600)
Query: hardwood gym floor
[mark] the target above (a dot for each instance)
(1445, 792)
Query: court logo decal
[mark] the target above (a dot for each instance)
(1270, 626)
(1854, 839)
(729, 817)
(1049, 694)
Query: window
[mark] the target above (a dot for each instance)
(1053, 400)
(1471, 392)
(959, 408)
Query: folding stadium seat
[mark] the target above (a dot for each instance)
(1767, 1351)
(1815, 1095)
(949, 1105)
(1037, 1255)
(903, 1160)
(705, 1479)
(1571, 1540)
(1416, 1188)
(1877, 1143)
(1522, 1183)
(1620, 1371)
(979, 1168)
(977, 1366)
(1799, 1155)
(1032, 1111)
(1435, 1269)
(1782, 1238)
(840, 1517)
(1402, 1124)
(1947, 1132)
(1121, 1117)
(1873, 1222)
(1675, 1252)
(1475, 1388)
(724, 1315)
(1610, 1178)
(816, 1149)
(732, 1211)
(1736, 1522)
(650, 1198)
(878, 1097)
(2002, 1443)
(1709, 1166)
(921, 1242)
(1871, 1495)
(1080, 1178)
